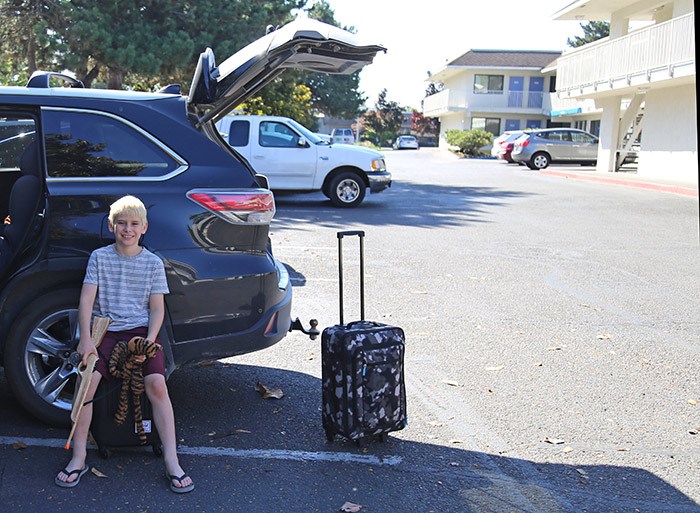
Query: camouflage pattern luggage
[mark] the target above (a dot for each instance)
(364, 395)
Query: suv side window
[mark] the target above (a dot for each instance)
(557, 135)
(239, 133)
(17, 131)
(578, 137)
(84, 144)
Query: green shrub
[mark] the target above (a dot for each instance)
(469, 141)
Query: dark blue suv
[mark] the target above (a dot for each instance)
(66, 153)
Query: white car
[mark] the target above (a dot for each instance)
(405, 142)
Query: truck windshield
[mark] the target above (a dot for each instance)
(308, 134)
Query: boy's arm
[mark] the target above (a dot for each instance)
(156, 314)
(86, 346)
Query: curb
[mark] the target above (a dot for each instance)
(673, 189)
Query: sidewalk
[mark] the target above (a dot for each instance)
(627, 179)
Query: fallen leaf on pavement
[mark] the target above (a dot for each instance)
(694, 431)
(537, 364)
(450, 382)
(436, 423)
(269, 393)
(567, 449)
(604, 336)
(692, 401)
(97, 472)
(622, 449)
(349, 507)
(19, 446)
(554, 441)
(206, 363)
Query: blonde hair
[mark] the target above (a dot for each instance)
(127, 205)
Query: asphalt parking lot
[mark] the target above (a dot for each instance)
(551, 361)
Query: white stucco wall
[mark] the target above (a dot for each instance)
(669, 146)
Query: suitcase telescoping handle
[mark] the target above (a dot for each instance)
(361, 235)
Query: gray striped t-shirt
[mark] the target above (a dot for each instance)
(124, 284)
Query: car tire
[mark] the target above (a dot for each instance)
(347, 190)
(539, 160)
(38, 349)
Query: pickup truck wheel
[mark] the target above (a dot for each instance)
(40, 359)
(347, 190)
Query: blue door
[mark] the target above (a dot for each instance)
(533, 123)
(536, 92)
(515, 91)
(512, 124)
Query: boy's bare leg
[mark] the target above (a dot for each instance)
(81, 434)
(157, 392)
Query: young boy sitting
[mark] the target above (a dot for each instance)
(126, 283)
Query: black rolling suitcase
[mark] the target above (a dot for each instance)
(107, 433)
(364, 395)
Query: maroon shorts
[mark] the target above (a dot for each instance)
(155, 365)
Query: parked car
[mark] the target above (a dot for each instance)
(496, 146)
(294, 159)
(538, 148)
(342, 136)
(67, 153)
(505, 146)
(405, 142)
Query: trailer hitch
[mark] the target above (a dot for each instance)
(312, 332)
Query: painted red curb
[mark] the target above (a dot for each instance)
(674, 189)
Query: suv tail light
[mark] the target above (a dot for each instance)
(243, 206)
(525, 142)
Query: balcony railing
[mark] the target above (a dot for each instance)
(451, 100)
(658, 47)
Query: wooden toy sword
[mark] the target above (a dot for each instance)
(99, 328)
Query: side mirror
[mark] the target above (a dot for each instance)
(302, 143)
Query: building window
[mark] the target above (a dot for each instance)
(488, 84)
(581, 125)
(595, 127)
(492, 125)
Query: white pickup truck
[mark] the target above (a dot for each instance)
(295, 159)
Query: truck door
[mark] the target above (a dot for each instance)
(284, 156)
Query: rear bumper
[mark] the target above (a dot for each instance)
(269, 330)
(379, 181)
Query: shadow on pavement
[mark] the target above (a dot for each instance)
(404, 204)
(217, 407)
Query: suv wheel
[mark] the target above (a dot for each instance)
(539, 161)
(40, 357)
(347, 190)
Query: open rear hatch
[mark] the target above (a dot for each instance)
(302, 44)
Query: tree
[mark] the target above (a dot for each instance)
(28, 40)
(382, 124)
(333, 95)
(423, 125)
(592, 31)
(278, 102)
(130, 42)
(469, 141)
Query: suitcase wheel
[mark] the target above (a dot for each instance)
(158, 449)
(103, 452)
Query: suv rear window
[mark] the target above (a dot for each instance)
(83, 144)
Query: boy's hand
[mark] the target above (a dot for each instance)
(85, 348)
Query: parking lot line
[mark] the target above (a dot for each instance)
(229, 452)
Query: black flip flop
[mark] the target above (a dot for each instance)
(71, 484)
(179, 489)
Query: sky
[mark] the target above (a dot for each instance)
(423, 36)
